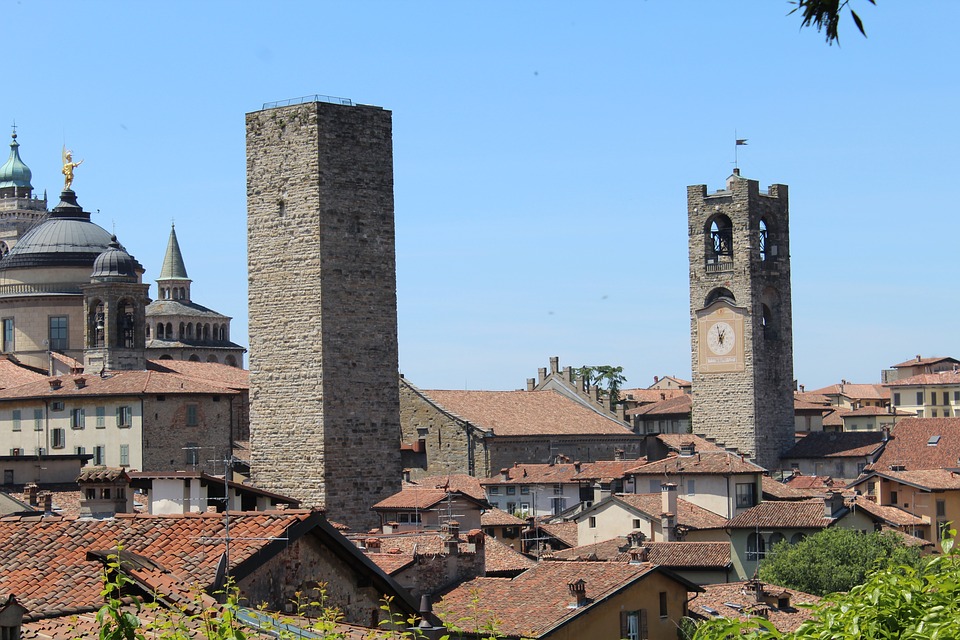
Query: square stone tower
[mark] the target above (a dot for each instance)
(324, 383)
(740, 317)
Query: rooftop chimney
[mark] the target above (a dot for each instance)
(832, 504)
(656, 379)
(80, 382)
(576, 466)
(639, 554)
(578, 589)
(688, 448)
(31, 491)
(406, 475)
(47, 502)
(555, 364)
(885, 430)
(373, 545)
(504, 474)
(55, 383)
(531, 384)
(542, 373)
(618, 454)
(453, 538)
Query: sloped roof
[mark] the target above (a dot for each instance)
(706, 462)
(808, 514)
(526, 413)
(932, 479)
(908, 444)
(678, 405)
(890, 514)
(461, 482)
(688, 514)
(646, 396)
(173, 267)
(499, 557)
(537, 600)
(775, 490)
(413, 497)
(120, 383)
(718, 597)
(855, 391)
(56, 549)
(673, 441)
(210, 372)
(673, 555)
(830, 444)
(606, 470)
(928, 379)
(499, 518)
(14, 375)
(565, 532)
(918, 361)
(540, 473)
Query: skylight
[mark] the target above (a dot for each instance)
(932, 442)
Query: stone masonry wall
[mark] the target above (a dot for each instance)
(166, 432)
(751, 410)
(324, 406)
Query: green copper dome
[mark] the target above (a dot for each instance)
(14, 173)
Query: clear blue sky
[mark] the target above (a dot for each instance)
(542, 151)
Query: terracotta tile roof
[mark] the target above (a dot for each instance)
(855, 391)
(889, 514)
(872, 411)
(713, 602)
(190, 545)
(423, 543)
(804, 514)
(534, 474)
(461, 482)
(526, 413)
(688, 514)
(806, 405)
(816, 484)
(933, 479)
(391, 562)
(13, 375)
(909, 540)
(412, 497)
(498, 557)
(811, 398)
(211, 372)
(679, 405)
(928, 379)
(673, 441)
(499, 518)
(833, 419)
(829, 444)
(537, 600)
(565, 532)
(121, 383)
(908, 444)
(772, 489)
(646, 396)
(672, 555)
(102, 474)
(606, 470)
(706, 462)
(918, 361)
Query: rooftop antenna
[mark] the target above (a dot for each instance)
(740, 142)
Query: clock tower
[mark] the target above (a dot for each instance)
(740, 317)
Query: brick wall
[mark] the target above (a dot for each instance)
(324, 407)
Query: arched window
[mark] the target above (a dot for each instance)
(230, 360)
(718, 247)
(166, 356)
(776, 539)
(769, 313)
(169, 331)
(4, 249)
(212, 358)
(95, 324)
(160, 333)
(216, 331)
(717, 294)
(194, 358)
(182, 330)
(756, 549)
(189, 331)
(206, 332)
(146, 330)
(126, 324)
(797, 538)
(183, 293)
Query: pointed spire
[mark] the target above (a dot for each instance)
(173, 267)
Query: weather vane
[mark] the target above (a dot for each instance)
(68, 166)
(740, 142)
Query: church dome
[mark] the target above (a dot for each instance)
(14, 173)
(66, 239)
(114, 264)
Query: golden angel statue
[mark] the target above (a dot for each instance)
(68, 166)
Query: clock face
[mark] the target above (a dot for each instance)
(720, 338)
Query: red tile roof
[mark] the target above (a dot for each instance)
(889, 514)
(392, 561)
(808, 514)
(918, 361)
(830, 444)
(908, 444)
(716, 599)
(14, 375)
(499, 518)
(833, 419)
(461, 482)
(189, 545)
(499, 557)
(872, 411)
(855, 391)
(811, 398)
(706, 462)
(214, 373)
(678, 406)
(525, 413)
(673, 555)
(933, 479)
(606, 470)
(817, 485)
(808, 406)
(928, 379)
(534, 474)
(688, 514)
(772, 489)
(673, 441)
(565, 532)
(412, 497)
(121, 383)
(537, 600)
(646, 396)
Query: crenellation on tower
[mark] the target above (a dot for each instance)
(323, 306)
(740, 317)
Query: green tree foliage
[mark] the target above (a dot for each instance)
(606, 377)
(894, 602)
(834, 559)
(825, 16)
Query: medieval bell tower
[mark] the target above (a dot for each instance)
(740, 317)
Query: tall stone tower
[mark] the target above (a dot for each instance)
(324, 383)
(740, 317)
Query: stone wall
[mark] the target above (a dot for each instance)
(507, 450)
(752, 409)
(324, 406)
(166, 432)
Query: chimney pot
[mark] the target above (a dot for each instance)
(542, 373)
(578, 589)
(555, 364)
(55, 383)
(656, 379)
(531, 384)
